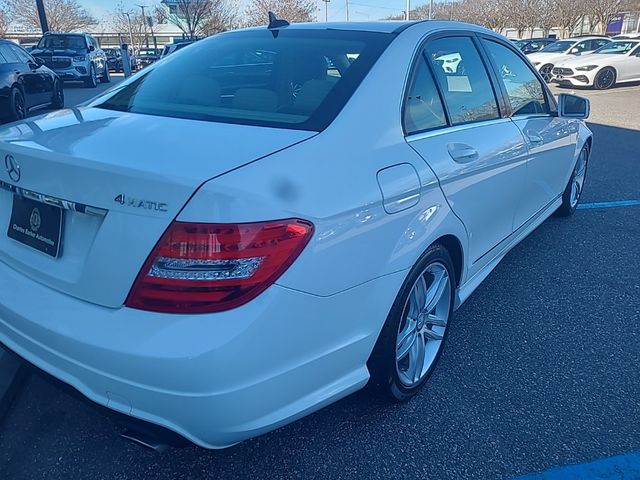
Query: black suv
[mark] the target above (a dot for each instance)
(25, 84)
(74, 57)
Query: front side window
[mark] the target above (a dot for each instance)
(617, 48)
(423, 109)
(293, 79)
(525, 91)
(9, 55)
(599, 43)
(21, 54)
(463, 79)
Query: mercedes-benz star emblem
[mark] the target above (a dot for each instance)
(13, 169)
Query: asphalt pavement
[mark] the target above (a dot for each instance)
(540, 369)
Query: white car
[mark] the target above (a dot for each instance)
(201, 250)
(551, 55)
(615, 63)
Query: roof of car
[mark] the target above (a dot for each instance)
(382, 26)
(587, 37)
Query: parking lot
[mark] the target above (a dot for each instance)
(540, 368)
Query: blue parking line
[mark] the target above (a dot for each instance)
(620, 467)
(618, 203)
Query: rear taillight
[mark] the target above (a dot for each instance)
(205, 267)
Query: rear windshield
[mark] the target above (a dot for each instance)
(288, 78)
(72, 42)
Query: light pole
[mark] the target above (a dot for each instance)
(430, 9)
(150, 24)
(326, 10)
(347, 8)
(408, 9)
(42, 15)
(128, 14)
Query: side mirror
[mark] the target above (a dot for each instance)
(38, 61)
(573, 106)
(92, 48)
(574, 51)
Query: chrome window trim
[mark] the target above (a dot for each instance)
(455, 128)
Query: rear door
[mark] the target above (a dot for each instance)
(550, 140)
(25, 77)
(457, 128)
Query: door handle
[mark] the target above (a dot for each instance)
(462, 153)
(535, 139)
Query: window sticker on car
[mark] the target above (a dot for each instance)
(459, 84)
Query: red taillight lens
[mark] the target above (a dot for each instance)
(205, 267)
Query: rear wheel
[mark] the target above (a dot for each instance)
(606, 78)
(545, 71)
(573, 191)
(57, 101)
(17, 105)
(411, 340)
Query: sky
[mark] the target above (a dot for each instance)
(358, 9)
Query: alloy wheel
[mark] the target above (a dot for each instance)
(19, 106)
(605, 79)
(423, 324)
(579, 175)
(545, 71)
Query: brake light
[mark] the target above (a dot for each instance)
(206, 267)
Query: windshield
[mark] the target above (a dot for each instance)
(521, 43)
(558, 47)
(617, 48)
(71, 42)
(290, 79)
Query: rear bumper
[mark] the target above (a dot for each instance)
(214, 379)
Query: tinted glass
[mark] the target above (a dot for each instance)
(21, 54)
(7, 52)
(423, 109)
(525, 92)
(582, 46)
(463, 79)
(599, 43)
(72, 42)
(617, 48)
(558, 47)
(295, 79)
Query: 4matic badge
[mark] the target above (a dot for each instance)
(122, 199)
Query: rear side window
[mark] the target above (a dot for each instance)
(463, 79)
(291, 78)
(423, 109)
(9, 55)
(525, 91)
(23, 56)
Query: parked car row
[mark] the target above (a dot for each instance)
(589, 61)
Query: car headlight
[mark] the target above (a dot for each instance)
(535, 64)
(586, 68)
(79, 58)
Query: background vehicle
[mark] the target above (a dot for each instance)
(545, 59)
(532, 45)
(627, 36)
(256, 272)
(174, 47)
(74, 57)
(25, 84)
(614, 63)
(147, 56)
(114, 60)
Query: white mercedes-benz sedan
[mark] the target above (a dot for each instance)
(615, 63)
(268, 220)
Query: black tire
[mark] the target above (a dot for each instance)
(545, 72)
(605, 79)
(106, 77)
(91, 81)
(569, 202)
(57, 101)
(382, 364)
(17, 105)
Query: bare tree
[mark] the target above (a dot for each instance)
(197, 17)
(4, 22)
(568, 14)
(291, 10)
(130, 24)
(62, 15)
(602, 12)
